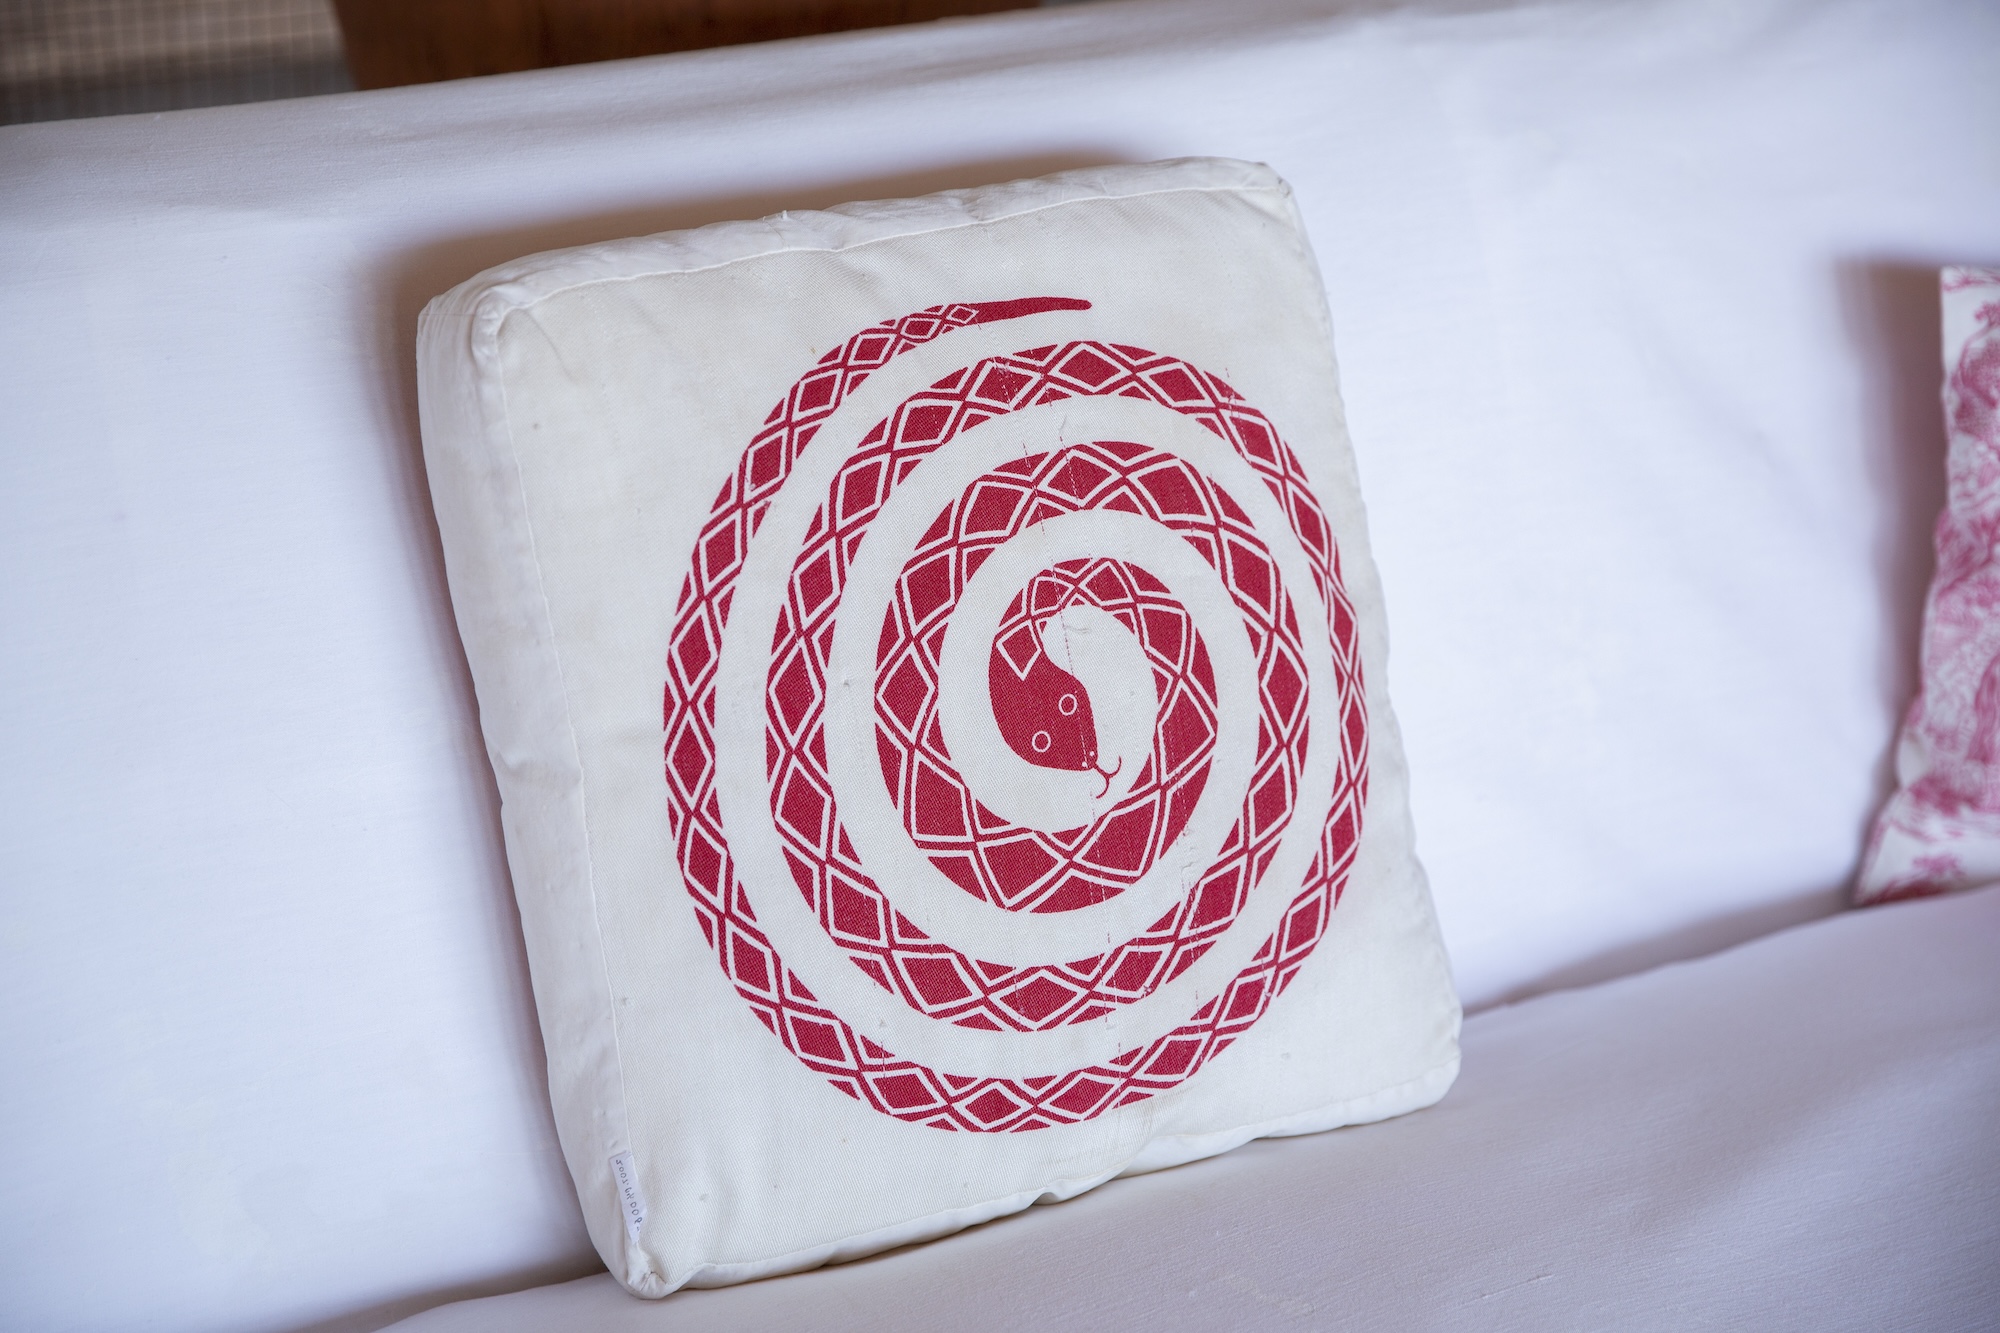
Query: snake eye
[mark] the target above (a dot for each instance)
(1040, 741)
(1066, 705)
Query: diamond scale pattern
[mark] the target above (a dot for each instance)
(1016, 867)
(1040, 871)
(820, 1039)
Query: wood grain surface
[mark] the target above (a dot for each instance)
(392, 42)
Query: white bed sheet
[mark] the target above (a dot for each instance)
(1638, 350)
(1795, 1134)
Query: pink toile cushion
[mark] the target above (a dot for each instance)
(1941, 830)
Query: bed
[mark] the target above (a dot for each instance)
(1635, 305)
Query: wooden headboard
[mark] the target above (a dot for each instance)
(392, 42)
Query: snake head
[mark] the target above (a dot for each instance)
(1043, 711)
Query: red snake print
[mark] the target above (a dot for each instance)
(821, 1039)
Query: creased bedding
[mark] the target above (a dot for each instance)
(1795, 1134)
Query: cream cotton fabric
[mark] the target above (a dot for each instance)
(934, 672)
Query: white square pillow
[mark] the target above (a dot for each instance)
(934, 671)
(1941, 830)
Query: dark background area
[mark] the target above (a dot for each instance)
(65, 58)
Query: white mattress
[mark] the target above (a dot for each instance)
(1631, 302)
(1796, 1134)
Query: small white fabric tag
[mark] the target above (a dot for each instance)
(631, 1199)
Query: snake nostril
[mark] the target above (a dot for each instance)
(1040, 742)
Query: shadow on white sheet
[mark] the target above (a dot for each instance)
(1787, 1135)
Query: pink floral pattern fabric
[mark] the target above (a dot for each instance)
(1941, 829)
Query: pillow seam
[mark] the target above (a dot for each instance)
(576, 754)
(1281, 189)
